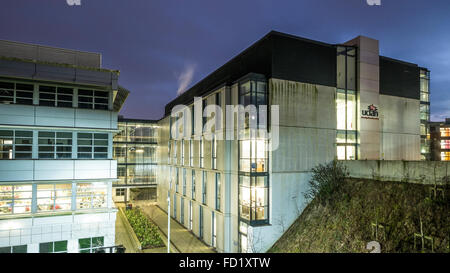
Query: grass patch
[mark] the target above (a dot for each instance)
(344, 222)
(146, 232)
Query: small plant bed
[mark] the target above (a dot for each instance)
(146, 232)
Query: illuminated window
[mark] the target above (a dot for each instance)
(445, 132)
(445, 156)
(445, 144)
(91, 195)
(15, 199)
(253, 155)
(254, 198)
(243, 242)
(54, 197)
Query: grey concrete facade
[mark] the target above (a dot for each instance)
(308, 136)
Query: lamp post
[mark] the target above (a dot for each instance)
(168, 224)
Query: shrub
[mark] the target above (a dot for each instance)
(146, 232)
(326, 180)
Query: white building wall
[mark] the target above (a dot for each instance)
(71, 228)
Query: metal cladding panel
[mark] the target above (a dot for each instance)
(65, 74)
(49, 54)
(22, 69)
(17, 69)
(399, 79)
(302, 60)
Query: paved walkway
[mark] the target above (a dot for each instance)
(183, 240)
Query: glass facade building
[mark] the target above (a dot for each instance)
(135, 151)
(425, 114)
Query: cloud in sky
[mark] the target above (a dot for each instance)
(185, 78)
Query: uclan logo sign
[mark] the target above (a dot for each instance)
(370, 113)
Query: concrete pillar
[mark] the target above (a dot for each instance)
(368, 74)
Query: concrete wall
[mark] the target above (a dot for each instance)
(400, 124)
(423, 172)
(307, 138)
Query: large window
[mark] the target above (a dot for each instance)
(55, 96)
(424, 86)
(424, 111)
(92, 145)
(53, 247)
(19, 93)
(254, 198)
(14, 249)
(16, 144)
(55, 145)
(93, 99)
(15, 199)
(346, 111)
(253, 155)
(91, 195)
(54, 197)
(90, 245)
(253, 92)
(346, 104)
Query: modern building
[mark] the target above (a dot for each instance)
(58, 115)
(425, 114)
(440, 140)
(135, 152)
(340, 101)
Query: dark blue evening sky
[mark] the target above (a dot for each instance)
(156, 44)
